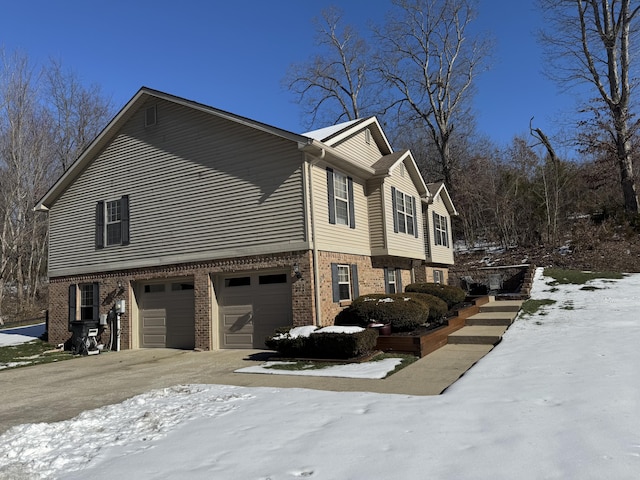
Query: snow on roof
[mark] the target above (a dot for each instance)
(326, 132)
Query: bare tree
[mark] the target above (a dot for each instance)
(47, 118)
(430, 58)
(78, 112)
(25, 165)
(333, 85)
(590, 42)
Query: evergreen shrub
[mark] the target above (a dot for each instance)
(403, 312)
(450, 294)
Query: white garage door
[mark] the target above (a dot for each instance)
(167, 314)
(252, 306)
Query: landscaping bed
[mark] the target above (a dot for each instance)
(422, 342)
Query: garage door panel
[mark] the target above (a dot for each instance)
(167, 315)
(238, 322)
(232, 340)
(154, 320)
(252, 307)
(154, 340)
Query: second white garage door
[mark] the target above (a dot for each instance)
(252, 306)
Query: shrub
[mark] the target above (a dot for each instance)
(290, 342)
(328, 342)
(343, 345)
(450, 294)
(437, 307)
(404, 313)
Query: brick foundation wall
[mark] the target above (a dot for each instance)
(370, 278)
(303, 299)
(303, 302)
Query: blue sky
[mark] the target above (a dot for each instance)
(233, 54)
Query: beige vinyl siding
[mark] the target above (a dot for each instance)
(199, 187)
(377, 235)
(357, 148)
(439, 254)
(402, 244)
(339, 238)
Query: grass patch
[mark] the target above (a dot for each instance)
(298, 365)
(30, 353)
(531, 306)
(575, 277)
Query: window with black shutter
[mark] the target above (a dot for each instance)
(112, 222)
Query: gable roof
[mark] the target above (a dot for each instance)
(439, 189)
(316, 142)
(331, 136)
(107, 134)
(325, 133)
(383, 168)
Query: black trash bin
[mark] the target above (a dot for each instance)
(80, 342)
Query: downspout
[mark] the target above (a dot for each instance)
(314, 249)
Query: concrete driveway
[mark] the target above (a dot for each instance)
(59, 391)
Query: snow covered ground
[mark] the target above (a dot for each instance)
(557, 399)
(18, 335)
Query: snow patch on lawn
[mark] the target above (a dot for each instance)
(377, 369)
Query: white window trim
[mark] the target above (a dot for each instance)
(405, 215)
(108, 221)
(440, 230)
(391, 280)
(346, 268)
(438, 276)
(338, 198)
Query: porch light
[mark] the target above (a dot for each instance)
(296, 271)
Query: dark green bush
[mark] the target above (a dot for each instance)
(450, 294)
(325, 345)
(437, 307)
(286, 345)
(343, 345)
(402, 312)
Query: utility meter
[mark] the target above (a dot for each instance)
(120, 306)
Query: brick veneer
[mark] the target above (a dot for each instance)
(370, 278)
(303, 301)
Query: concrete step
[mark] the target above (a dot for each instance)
(491, 319)
(477, 334)
(502, 306)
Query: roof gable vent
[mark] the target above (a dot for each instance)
(150, 116)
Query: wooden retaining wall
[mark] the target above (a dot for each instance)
(429, 342)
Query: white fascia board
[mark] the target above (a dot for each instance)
(336, 158)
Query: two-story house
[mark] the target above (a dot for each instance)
(215, 229)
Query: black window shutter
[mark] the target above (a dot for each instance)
(398, 280)
(354, 281)
(332, 199)
(100, 224)
(446, 231)
(72, 304)
(394, 208)
(415, 217)
(334, 282)
(386, 280)
(435, 230)
(124, 219)
(352, 211)
(96, 302)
